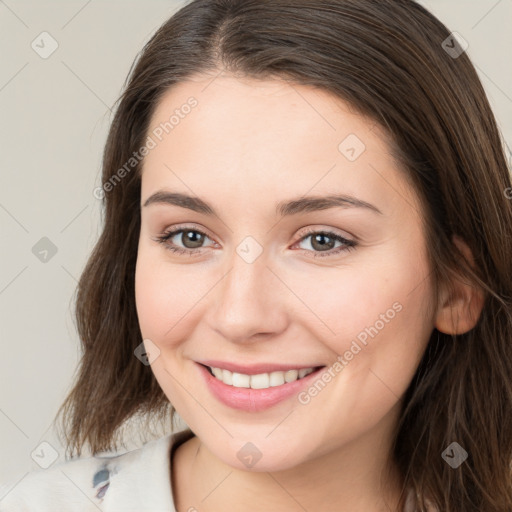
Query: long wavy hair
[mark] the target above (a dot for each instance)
(394, 62)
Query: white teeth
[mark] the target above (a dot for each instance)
(260, 381)
(291, 375)
(276, 379)
(240, 380)
(217, 372)
(227, 377)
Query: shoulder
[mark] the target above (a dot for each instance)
(66, 482)
(137, 480)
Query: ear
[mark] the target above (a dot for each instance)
(461, 303)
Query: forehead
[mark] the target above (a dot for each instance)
(267, 138)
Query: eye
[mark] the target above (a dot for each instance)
(322, 243)
(191, 238)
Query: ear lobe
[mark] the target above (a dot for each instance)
(461, 303)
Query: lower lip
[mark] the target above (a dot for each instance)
(254, 400)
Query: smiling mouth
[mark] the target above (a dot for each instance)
(261, 380)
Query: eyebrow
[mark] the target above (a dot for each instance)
(283, 209)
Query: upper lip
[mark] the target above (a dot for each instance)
(255, 369)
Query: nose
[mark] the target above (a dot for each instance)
(249, 303)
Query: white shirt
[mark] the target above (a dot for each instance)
(135, 481)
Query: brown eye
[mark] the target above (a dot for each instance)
(191, 239)
(322, 243)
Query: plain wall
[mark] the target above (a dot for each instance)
(55, 114)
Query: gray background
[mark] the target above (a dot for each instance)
(55, 114)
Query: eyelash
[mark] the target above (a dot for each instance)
(165, 237)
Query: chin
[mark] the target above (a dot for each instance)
(261, 454)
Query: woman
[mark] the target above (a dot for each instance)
(306, 251)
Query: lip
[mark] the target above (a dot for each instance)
(254, 400)
(255, 369)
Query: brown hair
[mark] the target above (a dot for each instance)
(386, 58)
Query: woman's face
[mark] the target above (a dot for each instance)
(278, 274)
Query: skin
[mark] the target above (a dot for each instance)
(245, 147)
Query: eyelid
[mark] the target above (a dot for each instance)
(187, 227)
(323, 229)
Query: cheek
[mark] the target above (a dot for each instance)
(372, 314)
(168, 297)
(150, 298)
(165, 309)
(381, 332)
(342, 306)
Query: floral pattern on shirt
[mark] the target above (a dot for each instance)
(101, 482)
